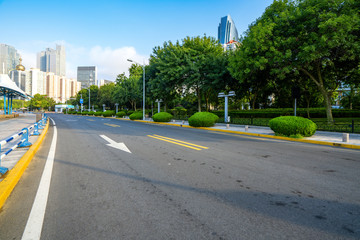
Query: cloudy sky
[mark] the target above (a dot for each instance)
(106, 33)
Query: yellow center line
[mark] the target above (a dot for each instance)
(90, 120)
(181, 141)
(174, 142)
(111, 125)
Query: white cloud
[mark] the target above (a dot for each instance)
(109, 62)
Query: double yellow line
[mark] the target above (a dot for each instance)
(178, 142)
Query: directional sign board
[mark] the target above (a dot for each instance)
(81, 101)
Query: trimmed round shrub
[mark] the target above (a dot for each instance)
(120, 114)
(108, 113)
(91, 113)
(162, 117)
(98, 114)
(203, 119)
(291, 125)
(136, 116)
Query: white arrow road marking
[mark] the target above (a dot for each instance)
(114, 144)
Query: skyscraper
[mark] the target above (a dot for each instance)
(86, 75)
(52, 60)
(227, 30)
(9, 58)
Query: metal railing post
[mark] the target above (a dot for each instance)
(36, 130)
(25, 136)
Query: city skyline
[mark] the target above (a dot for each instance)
(106, 34)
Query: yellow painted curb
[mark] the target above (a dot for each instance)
(14, 175)
(344, 145)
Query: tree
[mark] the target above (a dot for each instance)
(105, 95)
(195, 67)
(127, 90)
(316, 38)
(42, 102)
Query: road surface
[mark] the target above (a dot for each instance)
(117, 179)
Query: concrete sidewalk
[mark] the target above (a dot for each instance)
(321, 136)
(10, 127)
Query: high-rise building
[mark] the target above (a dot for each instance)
(9, 58)
(52, 60)
(227, 31)
(87, 75)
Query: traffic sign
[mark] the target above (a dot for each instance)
(81, 100)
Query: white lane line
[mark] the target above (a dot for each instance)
(36, 218)
(53, 121)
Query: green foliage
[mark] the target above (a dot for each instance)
(178, 112)
(98, 114)
(298, 42)
(162, 117)
(203, 119)
(42, 102)
(84, 113)
(290, 125)
(108, 113)
(136, 116)
(129, 112)
(276, 112)
(120, 114)
(91, 113)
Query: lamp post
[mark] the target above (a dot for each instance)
(158, 102)
(143, 66)
(103, 107)
(231, 94)
(89, 90)
(117, 105)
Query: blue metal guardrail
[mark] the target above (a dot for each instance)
(24, 142)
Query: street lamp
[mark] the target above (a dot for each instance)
(231, 94)
(143, 66)
(103, 107)
(117, 105)
(89, 90)
(158, 102)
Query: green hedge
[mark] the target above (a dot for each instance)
(120, 114)
(98, 114)
(277, 112)
(162, 117)
(203, 119)
(108, 113)
(291, 125)
(136, 116)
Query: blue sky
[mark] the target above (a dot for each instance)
(105, 33)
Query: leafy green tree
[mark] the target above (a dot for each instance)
(127, 90)
(196, 66)
(42, 102)
(316, 38)
(106, 95)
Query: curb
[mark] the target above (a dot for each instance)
(14, 175)
(344, 145)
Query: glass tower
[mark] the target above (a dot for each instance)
(9, 58)
(227, 30)
(86, 75)
(52, 60)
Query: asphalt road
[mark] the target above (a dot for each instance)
(180, 183)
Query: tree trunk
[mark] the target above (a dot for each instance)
(253, 101)
(308, 106)
(323, 91)
(199, 99)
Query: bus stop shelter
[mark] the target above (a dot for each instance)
(9, 90)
